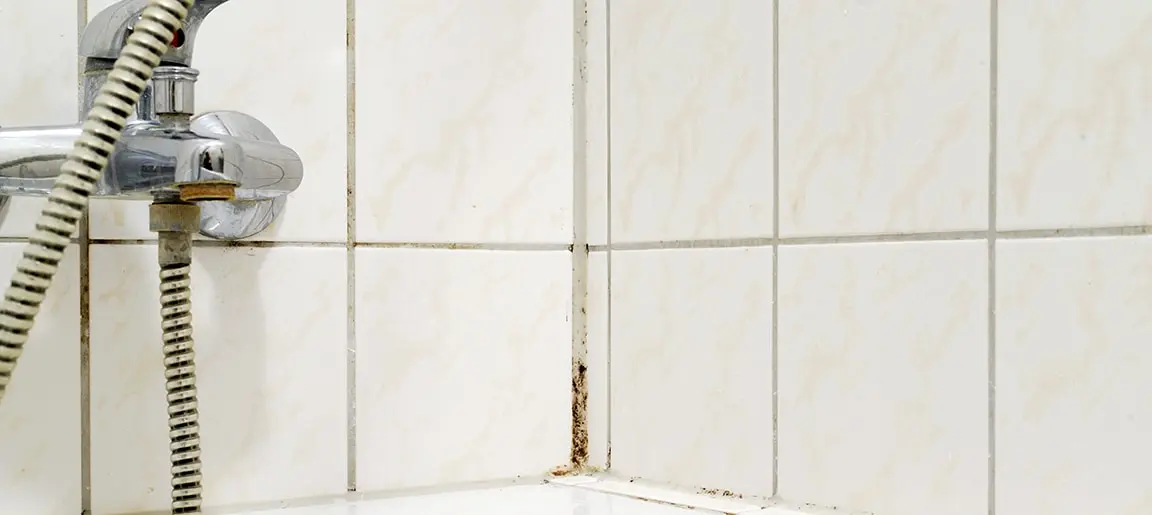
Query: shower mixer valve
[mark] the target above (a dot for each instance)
(228, 162)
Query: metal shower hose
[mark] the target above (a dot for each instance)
(149, 41)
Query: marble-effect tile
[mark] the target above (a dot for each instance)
(40, 416)
(691, 124)
(596, 310)
(1072, 420)
(38, 87)
(883, 363)
(291, 76)
(594, 74)
(1075, 114)
(883, 116)
(270, 348)
(464, 146)
(692, 367)
(464, 361)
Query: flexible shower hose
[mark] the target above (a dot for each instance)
(149, 41)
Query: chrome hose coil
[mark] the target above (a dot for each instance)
(78, 176)
(180, 381)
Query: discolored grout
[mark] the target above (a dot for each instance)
(83, 239)
(350, 243)
(578, 456)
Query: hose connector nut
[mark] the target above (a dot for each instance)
(174, 217)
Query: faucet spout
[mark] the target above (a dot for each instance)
(151, 157)
(31, 157)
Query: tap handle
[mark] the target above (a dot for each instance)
(107, 33)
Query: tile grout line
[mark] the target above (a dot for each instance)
(350, 243)
(608, 217)
(578, 457)
(85, 248)
(248, 244)
(993, 198)
(973, 235)
(775, 343)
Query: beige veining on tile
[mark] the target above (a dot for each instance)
(270, 348)
(40, 416)
(464, 124)
(691, 92)
(463, 362)
(1075, 119)
(883, 377)
(1072, 418)
(884, 116)
(692, 367)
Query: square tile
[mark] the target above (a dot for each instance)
(463, 365)
(597, 362)
(692, 367)
(464, 146)
(290, 74)
(884, 109)
(883, 388)
(1072, 361)
(594, 74)
(40, 415)
(1075, 114)
(691, 119)
(37, 88)
(271, 362)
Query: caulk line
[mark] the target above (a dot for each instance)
(993, 234)
(775, 343)
(608, 217)
(974, 235)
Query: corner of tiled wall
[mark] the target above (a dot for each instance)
(680, 111)
(959, 232)
(422, 271)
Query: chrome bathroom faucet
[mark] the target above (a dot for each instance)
(228, 161)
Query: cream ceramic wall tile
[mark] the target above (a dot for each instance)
(282, 61)
(271, 360)
(37, 87)
(691, 119)
(884, 109)
(692, 367)
(594, 73)
(40, 415)
(883, 396)
(464, 121)
(1075, 114)
(598, 368)
(463, 362)
(1072, 361)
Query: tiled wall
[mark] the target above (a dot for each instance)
(944, 204)
(422, 270)
(918, 222)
